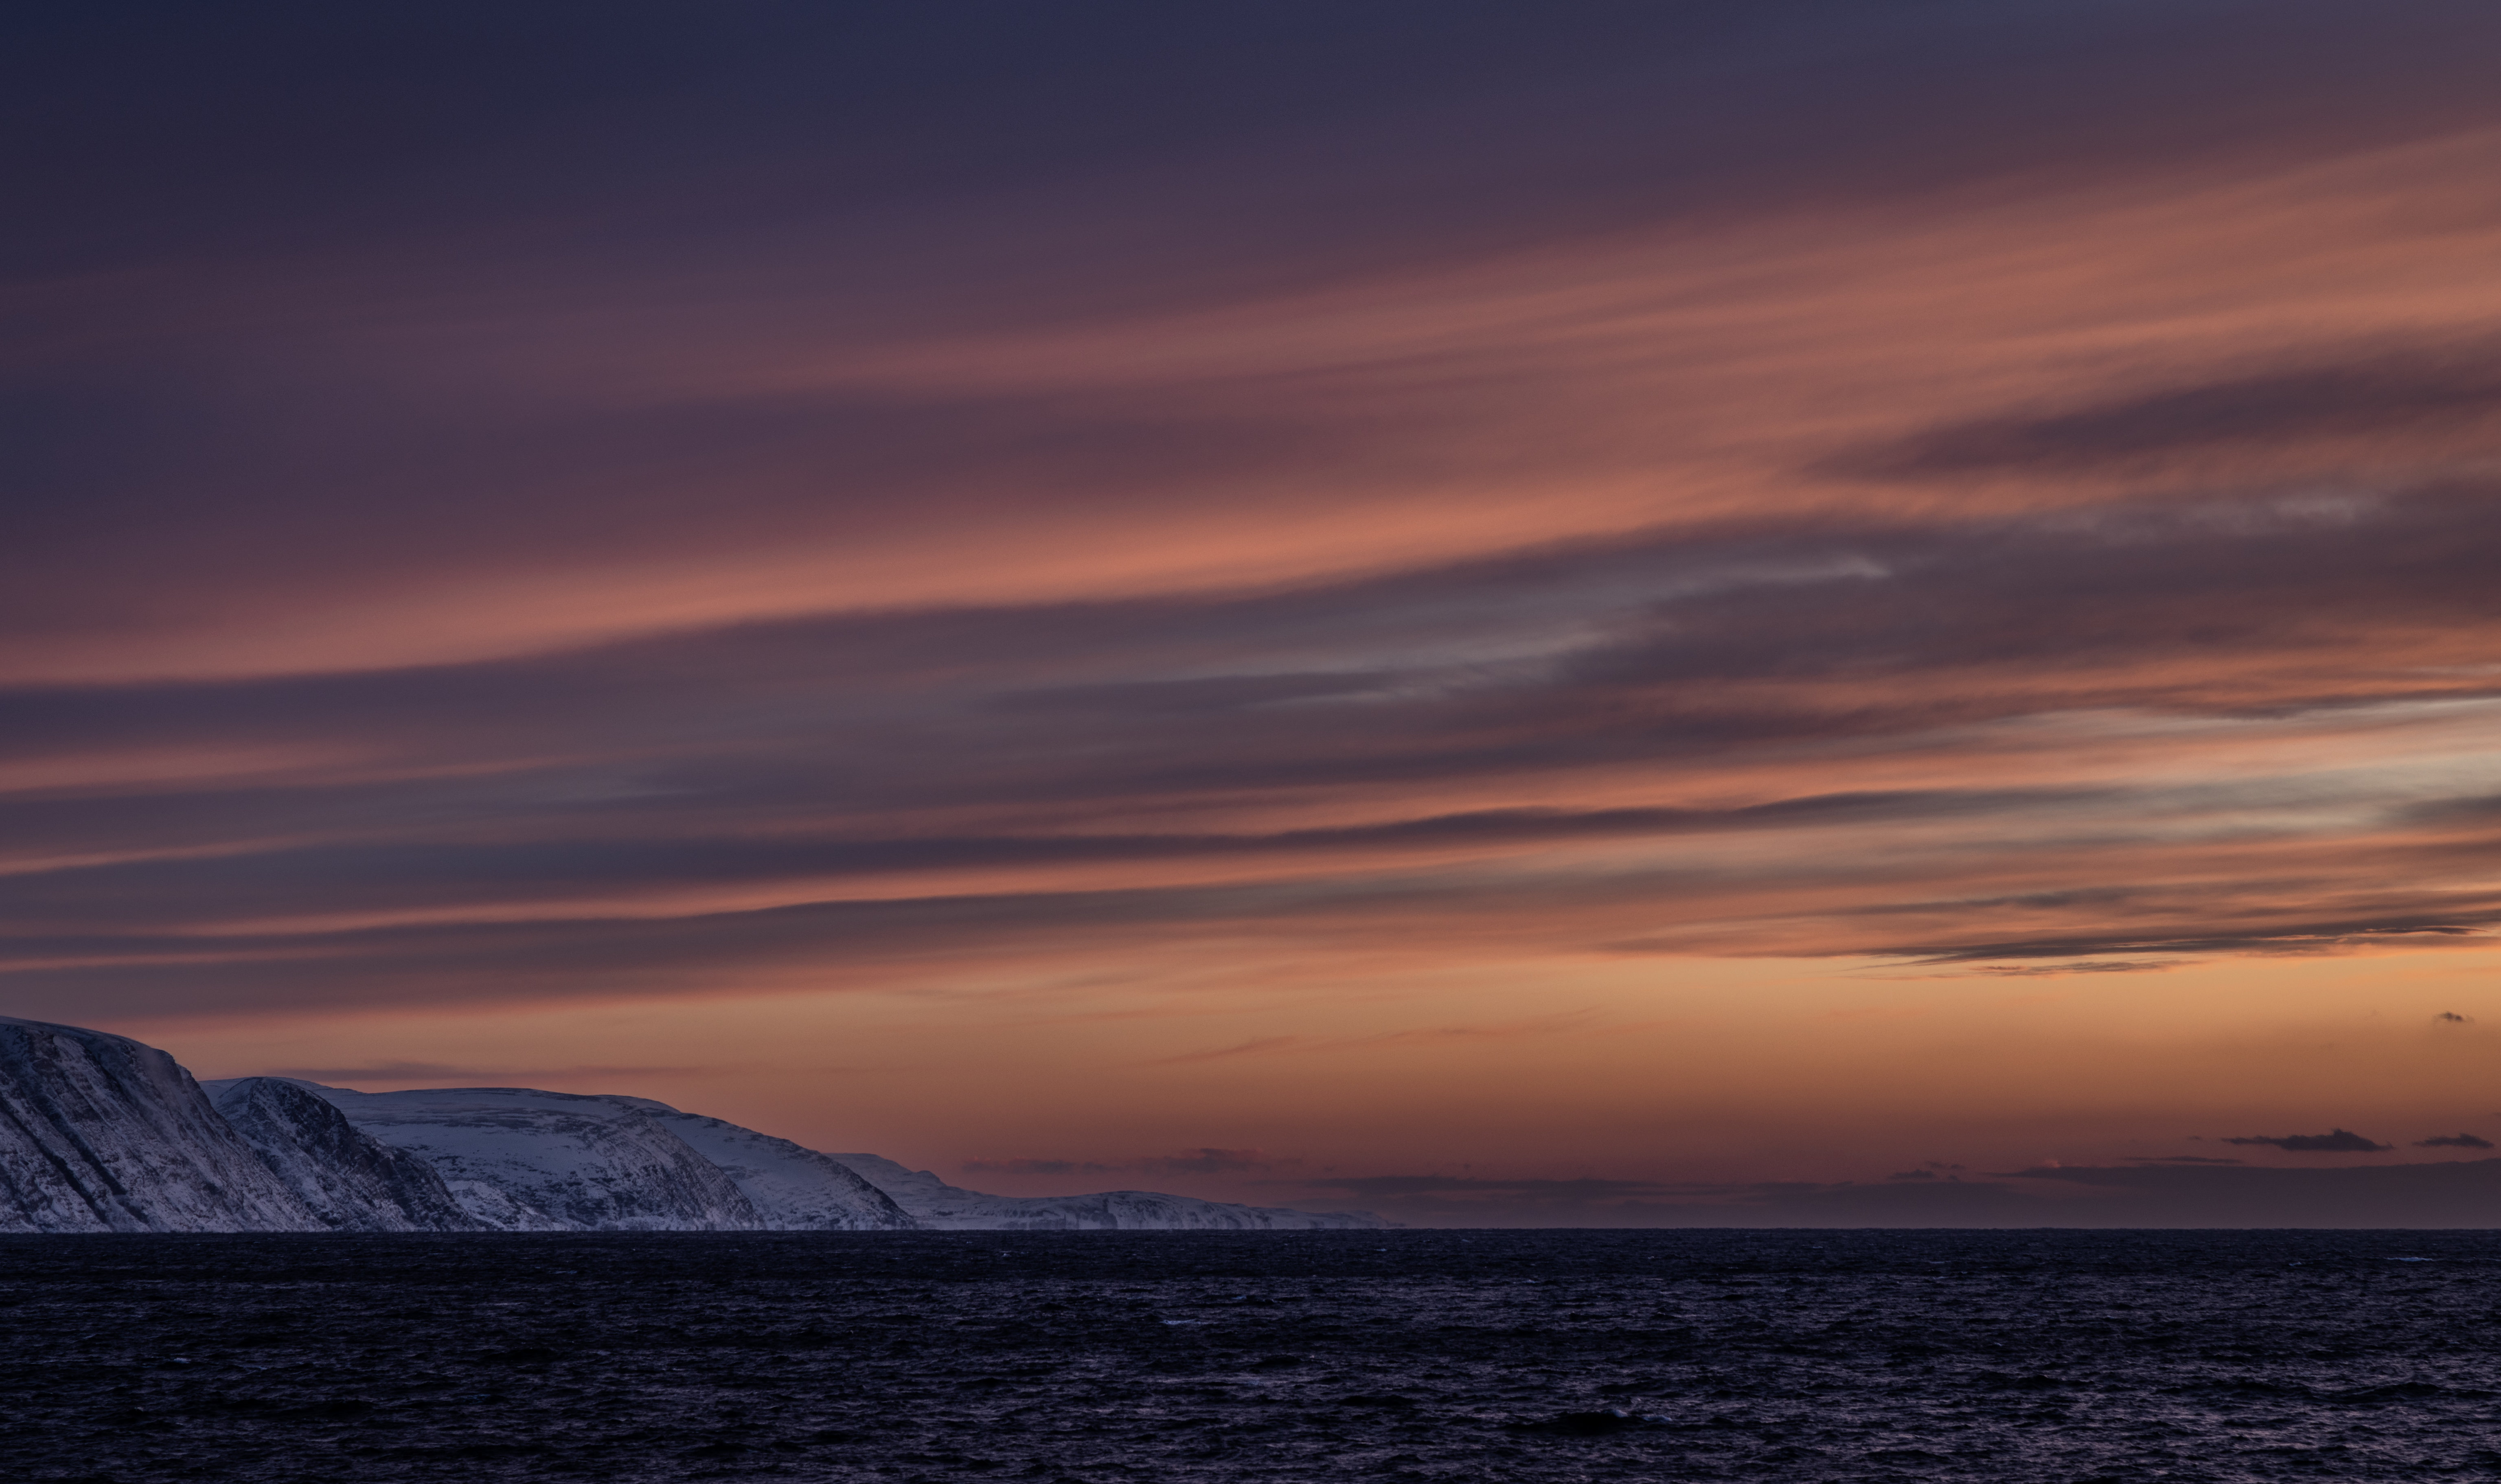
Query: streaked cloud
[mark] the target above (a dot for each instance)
(2338, 1141)
(1188, 1162)
(2464, 1193)
(438, 1074)
(1270, 509)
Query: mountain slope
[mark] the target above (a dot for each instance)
(793, 1188)
(100, 1134)
(348, 1179)
(520, 1159)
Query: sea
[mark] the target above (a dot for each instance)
(2048, 1357)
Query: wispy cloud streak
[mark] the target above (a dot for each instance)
(795, 501)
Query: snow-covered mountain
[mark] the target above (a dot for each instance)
(792, 1188)
(518, 1160)
(944, 1207)
(348, 1179)
(101, 1133)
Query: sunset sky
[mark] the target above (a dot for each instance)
(1604, 613)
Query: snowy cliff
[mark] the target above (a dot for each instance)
(792, 1188)
(348, 1179)
(100, 1134)
(518, 1160)
(944, 1207)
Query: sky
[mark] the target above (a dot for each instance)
(1777, 613)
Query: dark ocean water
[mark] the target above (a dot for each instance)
(1788, 1356)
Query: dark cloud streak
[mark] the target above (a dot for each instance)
(839, 748)
(325, 310)
(2401, 396)
(2339, 1141)
(2455, 1194)
(404, 874)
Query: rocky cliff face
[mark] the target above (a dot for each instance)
(518, 1160)
(944, 1207)
(100, 1134)
(348, 1179)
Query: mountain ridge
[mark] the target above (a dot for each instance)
(99, 1133)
